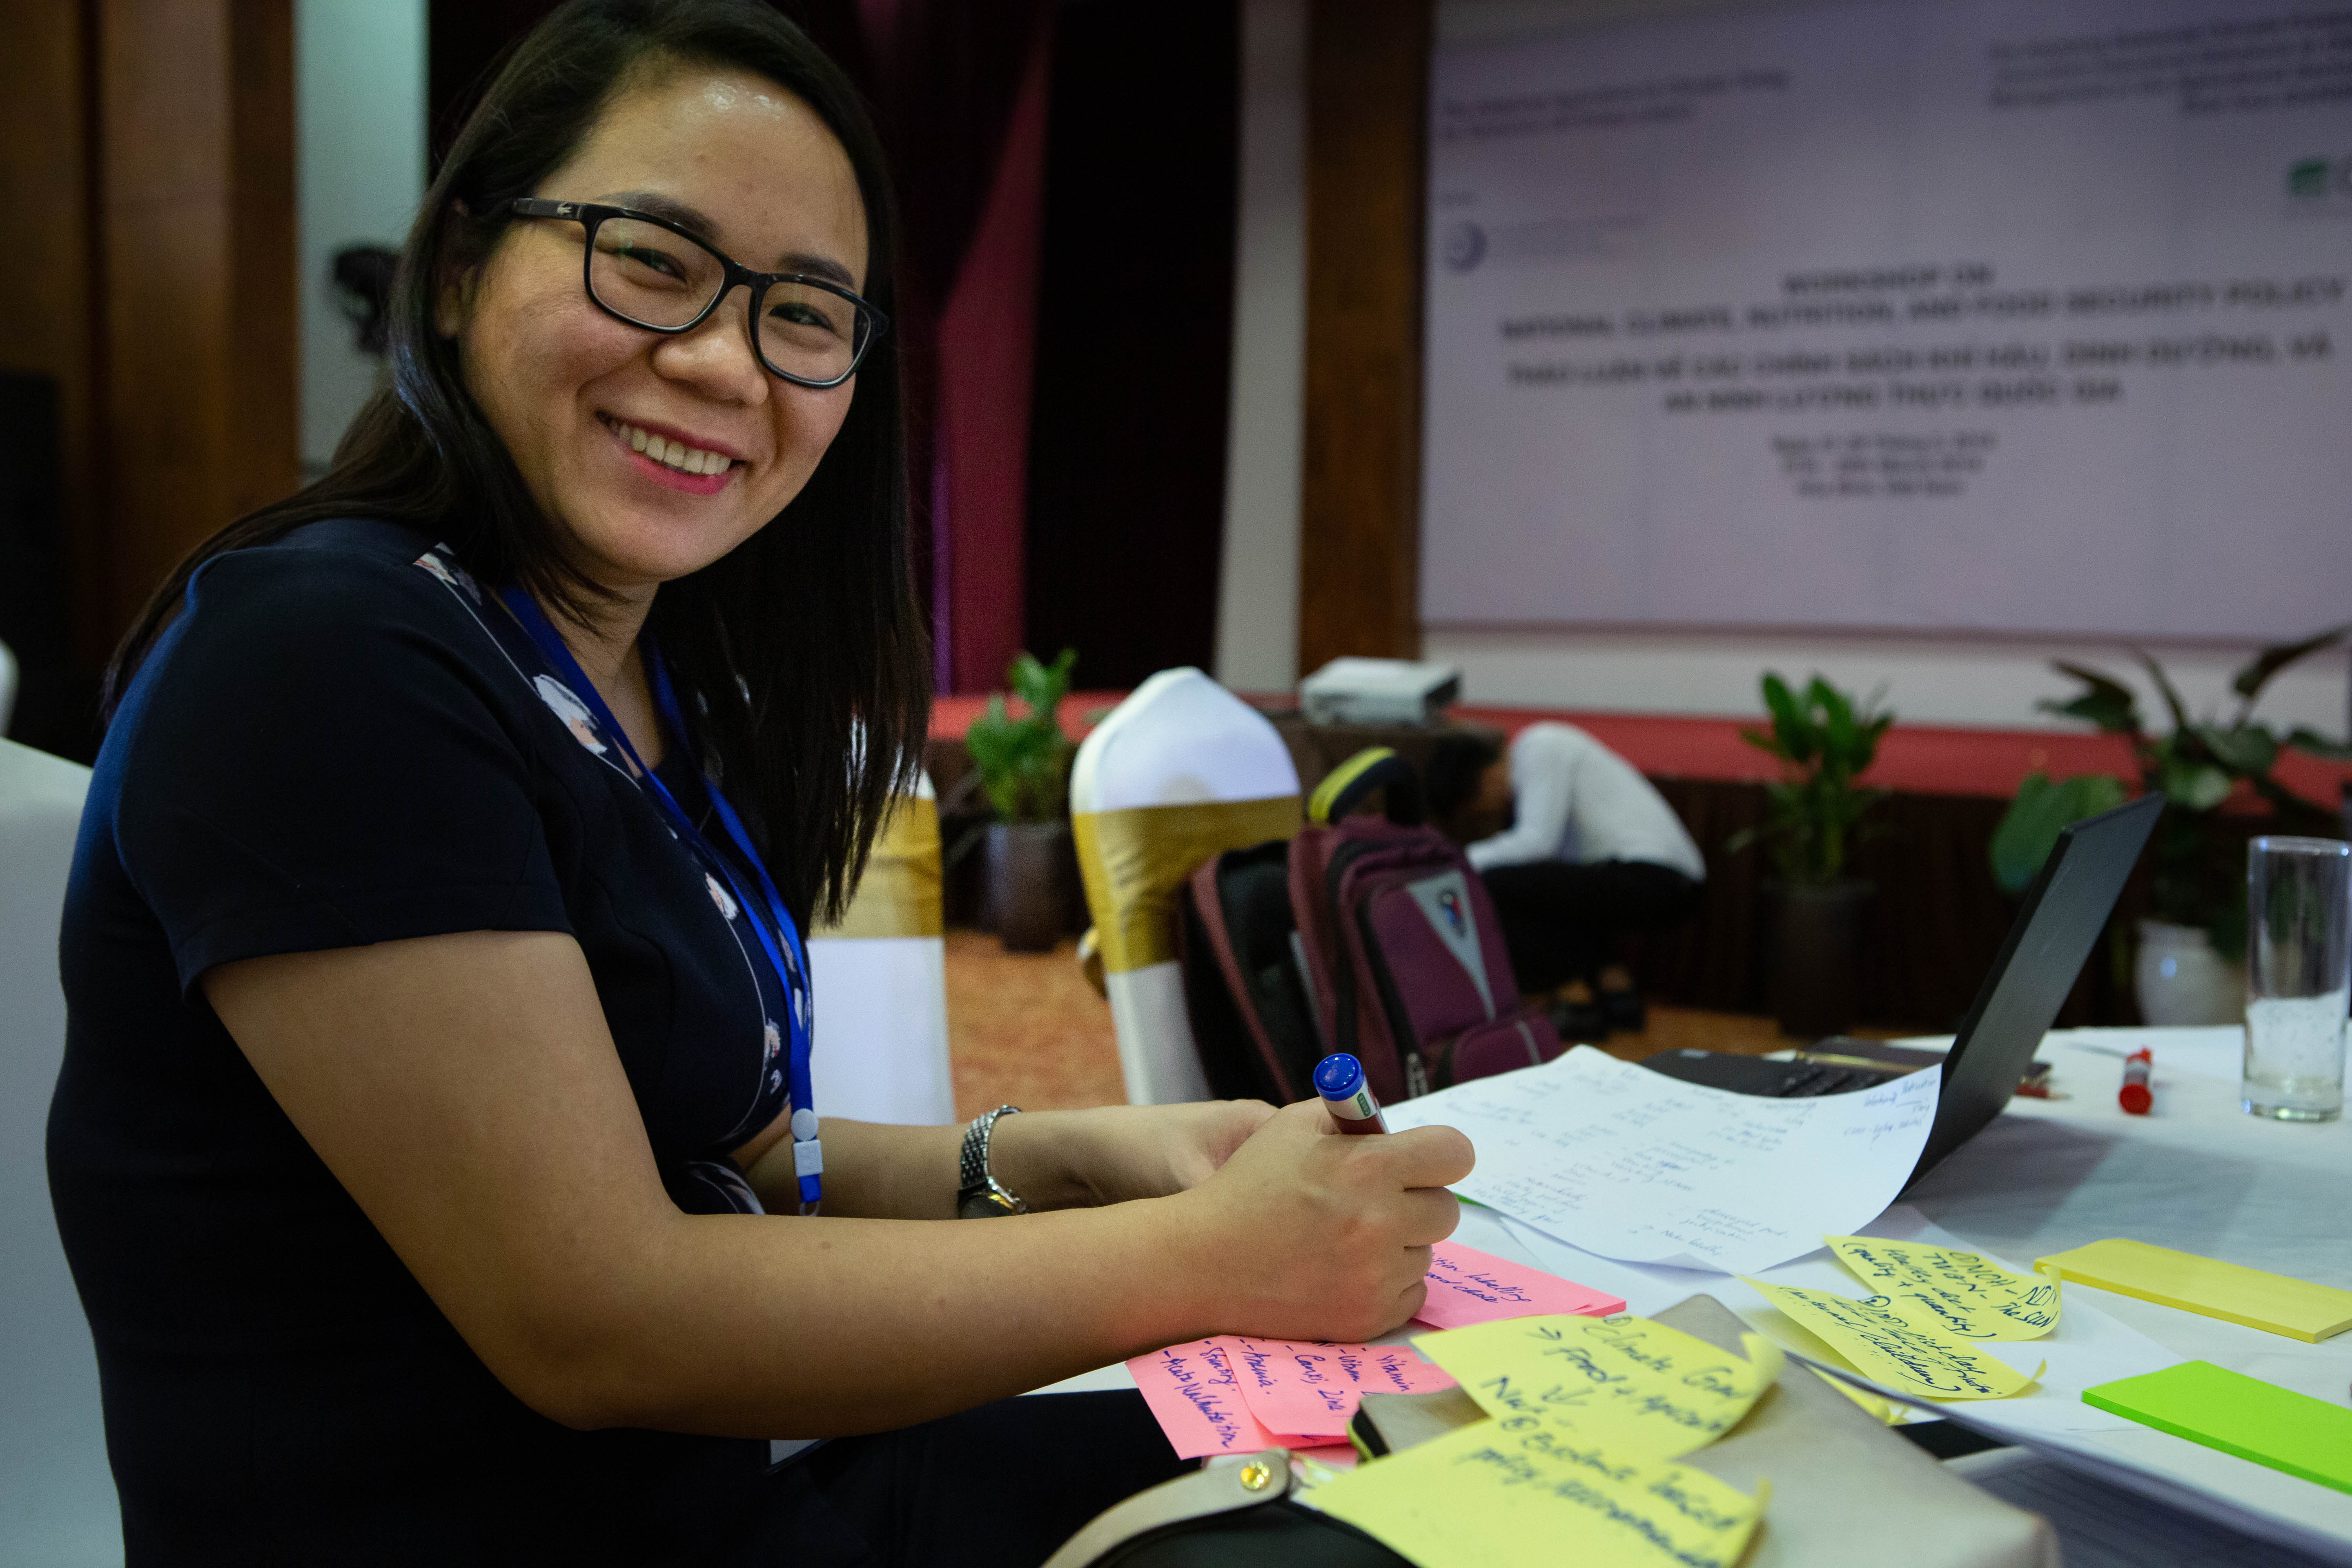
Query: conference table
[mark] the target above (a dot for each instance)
(2196, 1173)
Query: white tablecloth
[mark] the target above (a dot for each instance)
(2196, 1173)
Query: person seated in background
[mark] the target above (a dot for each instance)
(1579, 852)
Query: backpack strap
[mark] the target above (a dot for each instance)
(1374, 767)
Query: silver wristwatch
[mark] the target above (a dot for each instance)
(979, 1194)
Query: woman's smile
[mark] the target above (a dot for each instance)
(672, 457)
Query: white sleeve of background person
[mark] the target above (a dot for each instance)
(1619, 816)
(1544, 763)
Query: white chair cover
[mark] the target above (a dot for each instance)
(881, 1047)
(1181, 771)
(56, 1495)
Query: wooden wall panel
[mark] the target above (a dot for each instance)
(45, 183)
(1359, 535)
(195, 213)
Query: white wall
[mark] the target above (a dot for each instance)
(1257, 594)
(360, 135)
(1991, 682)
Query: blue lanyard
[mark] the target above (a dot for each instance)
(789, 960)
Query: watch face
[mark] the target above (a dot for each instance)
(982, 1204)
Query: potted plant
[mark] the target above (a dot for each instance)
(1024, 769)
(2193, 941)
(1814, 910)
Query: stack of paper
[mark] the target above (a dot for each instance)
(1632, 1164)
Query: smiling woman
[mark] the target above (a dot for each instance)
(435, 1144)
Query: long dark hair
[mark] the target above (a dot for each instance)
(805, 643)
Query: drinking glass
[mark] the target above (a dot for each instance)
(2299, 976)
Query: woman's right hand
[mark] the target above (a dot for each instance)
(1308, 1234)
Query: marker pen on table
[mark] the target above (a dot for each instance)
(2133, 1097)
(1339, 1079)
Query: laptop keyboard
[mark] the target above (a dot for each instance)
(1814, 1079)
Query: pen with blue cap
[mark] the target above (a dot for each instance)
(1339, 1079)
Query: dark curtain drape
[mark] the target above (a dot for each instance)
(955, 85)
(1127, 467)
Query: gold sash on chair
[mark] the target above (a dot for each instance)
(899, 894)
(1134, 859)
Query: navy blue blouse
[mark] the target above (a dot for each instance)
(343, 740)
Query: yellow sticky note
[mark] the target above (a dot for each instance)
(1886, 1350)
(1520, 1493)
(1944, 1288)
(2295, 1308)
(1643, 1388)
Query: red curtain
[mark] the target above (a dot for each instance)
(960, 91)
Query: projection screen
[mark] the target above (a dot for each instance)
(2026, 316)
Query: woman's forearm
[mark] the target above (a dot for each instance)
(877, 1170)
(787, 1327)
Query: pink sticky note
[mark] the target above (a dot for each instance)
(1467, 1286)
(1197, 1400)
(1313, 1389)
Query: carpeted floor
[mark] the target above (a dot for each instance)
(1027, 1029)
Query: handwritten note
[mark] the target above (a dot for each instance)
(1943, 1288)
(1467, 1286)
(1646, 1390)
(1520, 1493)
(1313, 1389)
(1926, 1362)
(1632, 1164)
(1197, 1400)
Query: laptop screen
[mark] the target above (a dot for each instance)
(2060, 921)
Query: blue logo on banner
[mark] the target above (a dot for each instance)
(1465, 246)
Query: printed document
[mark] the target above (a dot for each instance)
(1634, 1165)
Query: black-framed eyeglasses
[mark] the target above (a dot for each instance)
(651, 273)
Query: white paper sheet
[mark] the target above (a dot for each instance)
(1629, 1163)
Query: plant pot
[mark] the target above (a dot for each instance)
(1033, 884)
(1814, 937)
(2180, 981)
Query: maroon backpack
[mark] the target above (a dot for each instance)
(1362, 935)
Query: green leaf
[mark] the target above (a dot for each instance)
(1792, 728)
(2250, 681)
(2029, 830)
(2105, 701)
(2244, 749)
(2179, 709)
(2311, 743)
(2194, 786)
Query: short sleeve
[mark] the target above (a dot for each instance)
(319, 760)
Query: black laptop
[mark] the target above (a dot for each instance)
(2064, 910)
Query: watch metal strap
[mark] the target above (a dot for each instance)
(979, 1194)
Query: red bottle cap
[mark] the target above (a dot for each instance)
(2133, 1097)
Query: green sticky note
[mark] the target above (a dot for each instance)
(2239, 1414)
